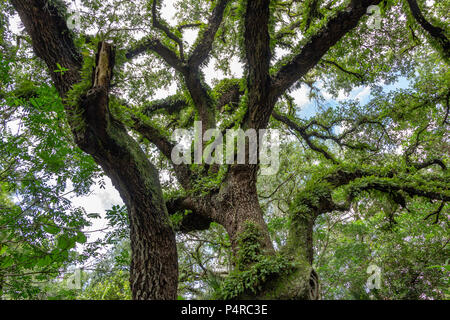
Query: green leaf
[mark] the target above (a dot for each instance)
(64, 243)
(3, 249)
(52, 229)
(81, 237)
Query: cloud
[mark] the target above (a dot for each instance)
(363, 94)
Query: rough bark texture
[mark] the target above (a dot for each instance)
(239, 205)
(435, 32)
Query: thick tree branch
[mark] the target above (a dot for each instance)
(190, 71)
(258, 54)
(192, 75)
(436, 33)
(193, 221)
(156, 46)
(202, 100)
(206, 39)
(182, 171)
(161, 26)
(188, 26)
(429, 163)
(171, 105)
(387, 186)
(52, 40)
(107, 140)
(319, 44)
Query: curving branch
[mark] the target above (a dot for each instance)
(152, 134)
(193, 221)
(436, 33)
(161, 26)
(429, 163)
(390, 186)
(311, 53)
(190, 70)
(189, 26)
(192, 75)
(307, 137)
(156, 46)
(171, 105)
(333, 63)
(206, 39)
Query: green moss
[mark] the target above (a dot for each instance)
(147, 172)
(177, 218)
(224, 86)
(73, 98)
(205, 184)
(252, 280)
(263, 276)
(249, 245)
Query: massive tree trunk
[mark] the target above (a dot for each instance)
(154, 272)
(235, 206)
(239, 206)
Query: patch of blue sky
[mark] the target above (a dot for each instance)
(308, 108)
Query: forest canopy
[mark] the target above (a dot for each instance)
(352, 95)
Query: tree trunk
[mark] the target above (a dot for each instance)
(241, 215)
(154, 260)
(240, 206)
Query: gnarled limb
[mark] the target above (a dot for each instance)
(436, 33)
(204, 46)
(182, 171)
(302, 131)
(161, 26)
(156, 46)
(193, 221)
